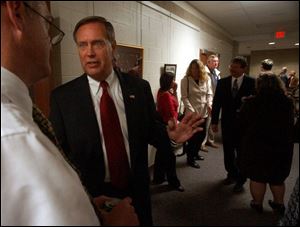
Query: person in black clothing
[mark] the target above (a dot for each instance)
(228, 97)
(266, 128)
(266, 65)
(165, 159)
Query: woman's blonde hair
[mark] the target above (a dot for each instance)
(202, 72)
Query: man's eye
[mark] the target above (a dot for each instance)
(99, 43)
(82, 45)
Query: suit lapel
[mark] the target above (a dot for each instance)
(229, 87)
(87, 106)
(88, 114)
(244, 84)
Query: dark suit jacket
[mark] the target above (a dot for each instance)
(230, 106)
(75, 123)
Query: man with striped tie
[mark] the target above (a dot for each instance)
(38, 186)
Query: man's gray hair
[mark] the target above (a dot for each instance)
(110, 33)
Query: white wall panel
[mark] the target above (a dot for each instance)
(166, 38)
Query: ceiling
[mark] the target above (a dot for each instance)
(254, 23)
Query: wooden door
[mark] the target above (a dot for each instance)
(40, 91)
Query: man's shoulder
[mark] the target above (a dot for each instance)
(125, 78)
(71, 85)
(224, 79)
(249, 79)
(14, 121)
(207, 69)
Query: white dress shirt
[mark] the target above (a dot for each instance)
(239, 81)
(38, 187)
(218, 77)
(115, 93)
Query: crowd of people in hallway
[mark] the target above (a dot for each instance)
(103, 122)
(88, 165)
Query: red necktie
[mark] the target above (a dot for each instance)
(114, 141)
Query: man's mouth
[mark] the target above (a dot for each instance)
(92, 63)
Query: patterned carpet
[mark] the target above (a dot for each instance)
(206, 201)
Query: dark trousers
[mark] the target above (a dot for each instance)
(165, 164)
(193, 145)
(232, 152)
(142, 204)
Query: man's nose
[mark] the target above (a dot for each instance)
(90, 50)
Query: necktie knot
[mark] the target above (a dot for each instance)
(235, 83)
(104, 85)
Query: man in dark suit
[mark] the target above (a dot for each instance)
(81, 129)
(228, 97)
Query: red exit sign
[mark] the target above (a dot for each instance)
(280, 35)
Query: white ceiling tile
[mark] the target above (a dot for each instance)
(252, 18)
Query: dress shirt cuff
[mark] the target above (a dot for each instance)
(174, 144)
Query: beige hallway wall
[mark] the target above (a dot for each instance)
(285, 57)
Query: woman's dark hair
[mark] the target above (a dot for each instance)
(267, 64)
(166, 80)
(269, 84)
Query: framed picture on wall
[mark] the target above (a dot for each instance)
(170, 68)
(129, 59)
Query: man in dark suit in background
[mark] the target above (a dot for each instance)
(83, 132)
(228, 96)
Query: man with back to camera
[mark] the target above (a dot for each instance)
(84, 112)
(38, 186)
(228, 98)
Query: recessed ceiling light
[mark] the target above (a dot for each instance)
(296, 44)
(271, 43)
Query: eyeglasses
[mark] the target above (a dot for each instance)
(58, 35)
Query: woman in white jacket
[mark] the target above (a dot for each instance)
(197, 96)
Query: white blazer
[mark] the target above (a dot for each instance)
(196, 97)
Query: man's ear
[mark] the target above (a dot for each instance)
(16, 13)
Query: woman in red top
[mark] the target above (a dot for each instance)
(165, 160)
(167, 103)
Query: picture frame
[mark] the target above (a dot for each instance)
(170, 68)
(129, 59)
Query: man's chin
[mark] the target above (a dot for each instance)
(92, 72)
(96, 75)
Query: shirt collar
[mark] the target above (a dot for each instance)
(95, 85)
(239, 79)
(14, 90)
